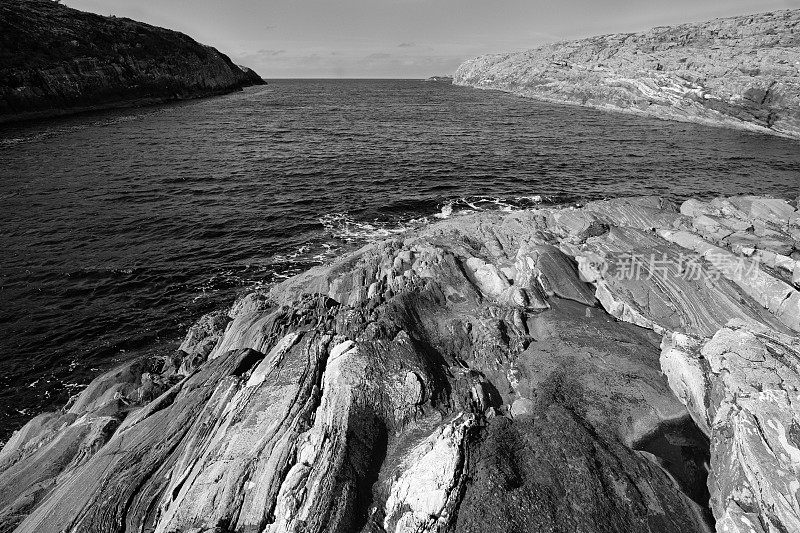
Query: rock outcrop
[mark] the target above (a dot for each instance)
(622, 366)
(56, 60)
(741, 72)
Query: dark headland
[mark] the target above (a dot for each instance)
(56, 60)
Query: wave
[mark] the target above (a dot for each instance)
(342, 232)
(472, 204)
(67, 124)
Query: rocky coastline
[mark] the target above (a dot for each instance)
(55, 60)
(626, 365)
(741, 72)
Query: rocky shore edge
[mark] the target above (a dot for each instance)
(739, 72)
(626, 365)
(55, 60)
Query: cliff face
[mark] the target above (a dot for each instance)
(54, 59)
(740, 72)
(556, 369)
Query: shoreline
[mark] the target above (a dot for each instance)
(134, 103)
(722, 122)
(412, 226)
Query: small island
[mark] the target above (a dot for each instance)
(440, 79)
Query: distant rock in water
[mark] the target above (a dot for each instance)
(620, 367)
(55, 60)
(440, 79)
(740, 72)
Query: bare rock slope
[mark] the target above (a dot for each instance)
(54, 60)
(618, 367)
(741, 72)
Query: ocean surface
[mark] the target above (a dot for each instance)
(119, 229)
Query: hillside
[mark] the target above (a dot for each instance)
(54, 60)
(739, 72)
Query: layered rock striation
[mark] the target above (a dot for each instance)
(622, 366)
(741, 72)
(54, 60)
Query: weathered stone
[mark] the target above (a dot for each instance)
(356, 397)
(755, 451)
(203, 336)
(772, 293)
(488, 278)
(636, 214)
(521, 407)
(697, 208)
(547, 269)
(427, 482)
(656, 285)
(773, 210)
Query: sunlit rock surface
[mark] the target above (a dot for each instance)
(56, 60)
(626, 365)
(741, 72)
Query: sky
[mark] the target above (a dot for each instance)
(401, 38)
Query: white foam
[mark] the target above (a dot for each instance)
(343, 226)
(343, 232)
(447, 210)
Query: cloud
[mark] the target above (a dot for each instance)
(406, 45)
(322, 62)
